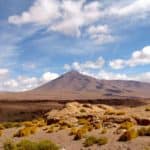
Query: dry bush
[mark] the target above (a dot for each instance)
(144, 131)
(73, 131)
(29, 145)
(81, 133)
(83, 121)
(102, 141)
(89, 141)
(28, 123)
(53, 128)
(1, 132)
(126, 125)
(26, 131)
(128, 135)
(104, 131)
(147, 108)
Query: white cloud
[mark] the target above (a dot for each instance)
(139, 57)
(4, 72)
(22, 83)
(137, 8)
(41, 12)
(62, 16)
(49, 76)
(101, 34)
(143, 77)
(97, 64)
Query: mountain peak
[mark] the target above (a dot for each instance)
(72, 72)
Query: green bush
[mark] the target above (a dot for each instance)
(10, 145)
(128, 135)
(102, 141)
(89, 141)
(28, 145)
(47, 145)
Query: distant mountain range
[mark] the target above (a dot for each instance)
(76, 86)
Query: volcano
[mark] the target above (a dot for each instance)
(76, 86)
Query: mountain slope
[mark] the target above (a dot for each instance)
(73, 86)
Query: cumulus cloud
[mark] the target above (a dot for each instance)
(136, 8)
(62, 16)
(4, 72)
(97, 64)
(41, 12)
(139, 57)
(22, 83)
(105, 75)
(101, 34)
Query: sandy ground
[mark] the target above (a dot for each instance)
(63, 138)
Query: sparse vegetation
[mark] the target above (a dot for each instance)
(81, 132)
(91, 140)
(102, 141)
(126, 125)
(6, 125)
(147, 108)
(128, 135)
(1, 132)
(28, 145)
(144, 131)
(26, 131)
(10, 145)
(103, 131)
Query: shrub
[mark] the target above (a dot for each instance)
(26, 131)
(10, 145)
(110, 112)
(81, 133)
(40, 122)
(120, 113)
(144, 131)
(1, 132)
(2, 127)
(89, 141)
(73, 131)
(147, 108)
(47, 145)
(128, 135)
(28, 145)
(82, 110)
(10, 124)
(102, 141)
(97, 125)
(103, 131)
(126, 125)
(83, 121)
(53, 128)
(28, 123)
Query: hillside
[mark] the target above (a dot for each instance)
(76, 86)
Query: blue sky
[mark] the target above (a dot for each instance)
(41, 39)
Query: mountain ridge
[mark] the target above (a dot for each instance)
(74, 85)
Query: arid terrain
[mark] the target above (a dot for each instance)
(71, 126)
(79, 112)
